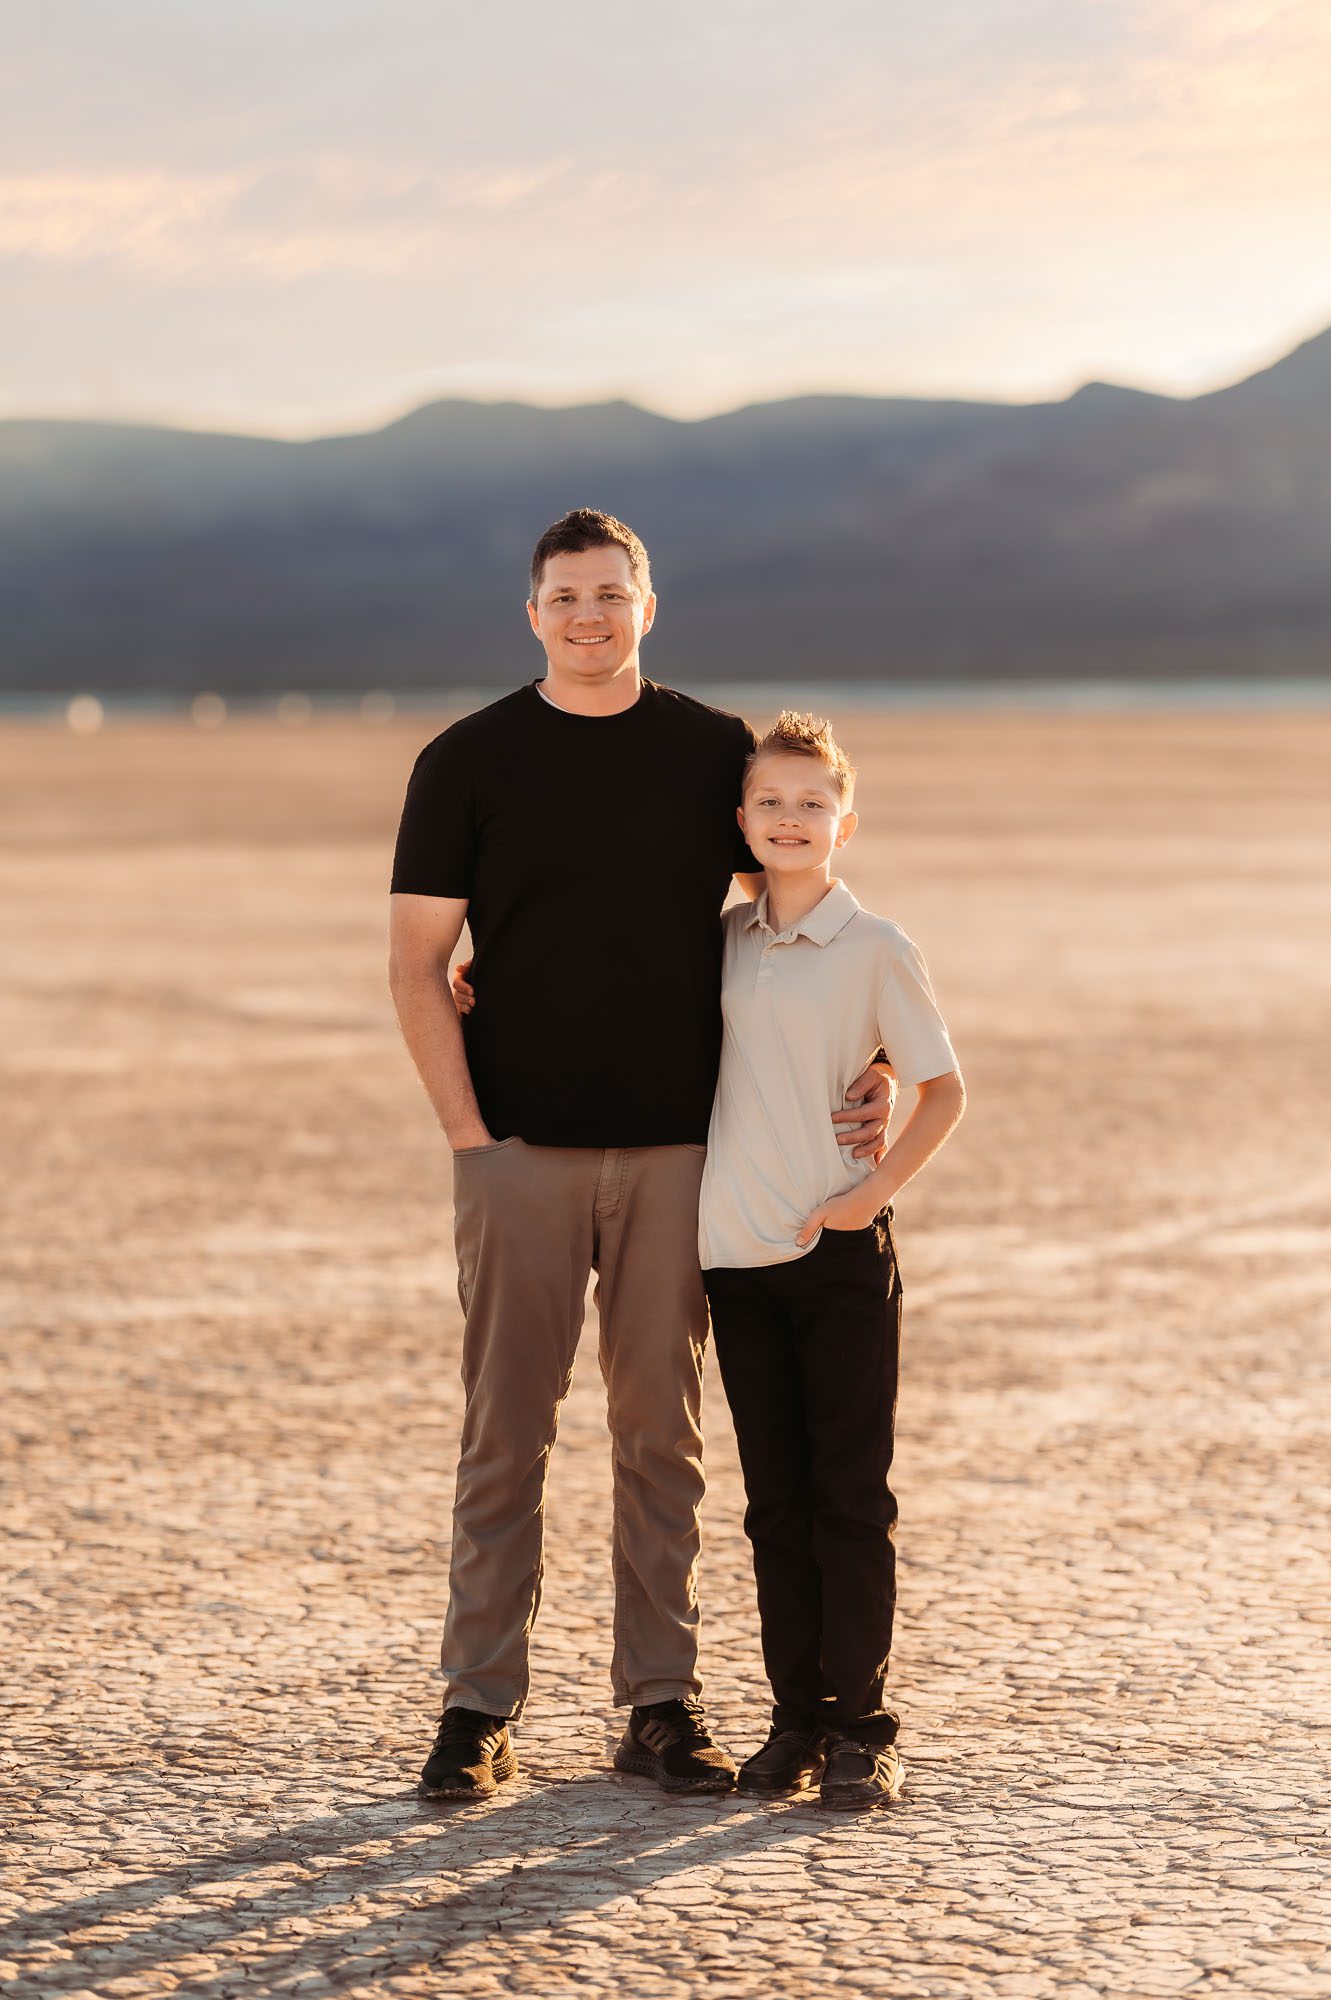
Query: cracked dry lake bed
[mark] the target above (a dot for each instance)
(232, 1402)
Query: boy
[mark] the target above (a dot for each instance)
(799, 1263)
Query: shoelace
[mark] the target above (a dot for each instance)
(683, 1717)
(458, 1722)
(873, 1751)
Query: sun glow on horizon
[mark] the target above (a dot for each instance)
(1002, 212)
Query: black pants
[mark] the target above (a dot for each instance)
(809, 1356)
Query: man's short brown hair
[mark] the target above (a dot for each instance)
(588, 528)
(794, 735)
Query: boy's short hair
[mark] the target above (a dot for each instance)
(589, 528)
(795, 735)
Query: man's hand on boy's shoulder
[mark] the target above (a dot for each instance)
(863, 1124)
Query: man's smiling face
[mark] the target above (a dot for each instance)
(588, 613)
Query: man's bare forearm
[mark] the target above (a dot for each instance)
(433, 1035)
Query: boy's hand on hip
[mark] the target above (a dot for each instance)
(863, 1124)
(855, 1209)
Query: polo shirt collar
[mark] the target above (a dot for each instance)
(822, 922)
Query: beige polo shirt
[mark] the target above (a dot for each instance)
(805, 1009)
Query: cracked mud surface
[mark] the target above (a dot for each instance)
(232, 1401)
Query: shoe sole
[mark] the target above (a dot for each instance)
(504, 1768)
(642, 1764)
(768, 1788)
(853, 1800)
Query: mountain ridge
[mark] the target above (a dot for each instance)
(1114, 531)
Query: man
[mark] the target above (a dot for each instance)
(588, 821)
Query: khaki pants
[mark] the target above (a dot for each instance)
(532, 1222)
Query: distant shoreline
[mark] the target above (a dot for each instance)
(382, 705)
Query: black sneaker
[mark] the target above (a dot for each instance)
(860, 1774)
(472, 1756)
(788, 1762)
(668, 1741)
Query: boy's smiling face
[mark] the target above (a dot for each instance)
(793, 816)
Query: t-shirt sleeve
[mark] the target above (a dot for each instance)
(742, 862)
(909, 1023)
(436, 838)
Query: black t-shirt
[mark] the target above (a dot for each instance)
(595, 852)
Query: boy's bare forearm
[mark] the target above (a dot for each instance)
(936, 1114)
(433, 1035)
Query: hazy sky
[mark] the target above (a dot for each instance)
(297, 215)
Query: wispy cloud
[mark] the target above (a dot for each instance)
(367, 204)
